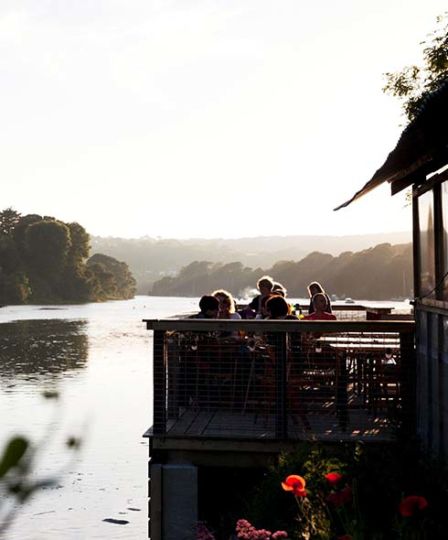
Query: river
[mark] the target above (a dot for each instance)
(98, 358)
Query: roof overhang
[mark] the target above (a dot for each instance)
(421, 149)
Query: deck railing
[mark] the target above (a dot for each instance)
(323, 380)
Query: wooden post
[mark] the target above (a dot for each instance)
(341, 390)
(408, 382)
(159, 397)
(441, 391)
(438, 241)
(281, 413)
(416, 242)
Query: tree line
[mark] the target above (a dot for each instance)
(149, 259)
(44, 260)
(379, 273)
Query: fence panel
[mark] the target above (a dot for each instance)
(335, 380)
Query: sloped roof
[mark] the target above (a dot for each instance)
(424, 141)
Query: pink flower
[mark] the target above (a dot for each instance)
(202, 532)
(246, 531)
(242, 524)
(278, 535)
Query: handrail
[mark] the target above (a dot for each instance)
(266, 325)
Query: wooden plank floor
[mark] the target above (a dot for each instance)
(311, 426)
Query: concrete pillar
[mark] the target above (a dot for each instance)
(155, 501)
(174, 502)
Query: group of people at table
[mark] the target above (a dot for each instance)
(270, 303)
(216, 360)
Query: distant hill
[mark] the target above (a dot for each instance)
(378, 273)
(150, 259)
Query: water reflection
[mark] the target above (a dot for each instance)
(42, 347)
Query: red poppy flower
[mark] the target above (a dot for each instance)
(333, 478)
(339, 498)
(412, 504)
(296, 484)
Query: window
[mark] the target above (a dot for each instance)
(427, 249)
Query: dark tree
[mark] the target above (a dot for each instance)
(8, 221)
(20, 231)
(413, 83)
(43, 259)
(14, 288)
(47, 246)
(80, 244)
(113, 278)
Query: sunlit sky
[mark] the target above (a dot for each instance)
(214, 118)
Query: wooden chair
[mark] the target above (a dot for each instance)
(384, 387)
(317, 382)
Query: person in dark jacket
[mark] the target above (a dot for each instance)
(209, 306)
(265, 285)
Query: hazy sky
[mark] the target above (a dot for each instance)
(181, 118)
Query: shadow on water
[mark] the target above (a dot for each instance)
(49, 347)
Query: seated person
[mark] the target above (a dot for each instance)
(279, 289)
(320, 307)
(209, 306)
(278, 308)
(314, 288)
(247, 313)
(264, 285)
(226, 305)
(226, 310)
(263, 313)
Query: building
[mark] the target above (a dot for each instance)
(420, 162)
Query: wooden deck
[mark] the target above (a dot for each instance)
(308, 381)
(360, 426)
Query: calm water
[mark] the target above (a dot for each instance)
(98, 357)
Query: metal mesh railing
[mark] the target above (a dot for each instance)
(283, 379)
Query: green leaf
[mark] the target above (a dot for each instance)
(13, 453)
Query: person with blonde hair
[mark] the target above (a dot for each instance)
(226, 305)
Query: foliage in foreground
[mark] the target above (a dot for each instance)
(357, 493)
(19, 472)
(343, 492)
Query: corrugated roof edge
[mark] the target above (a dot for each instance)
(424, 139)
